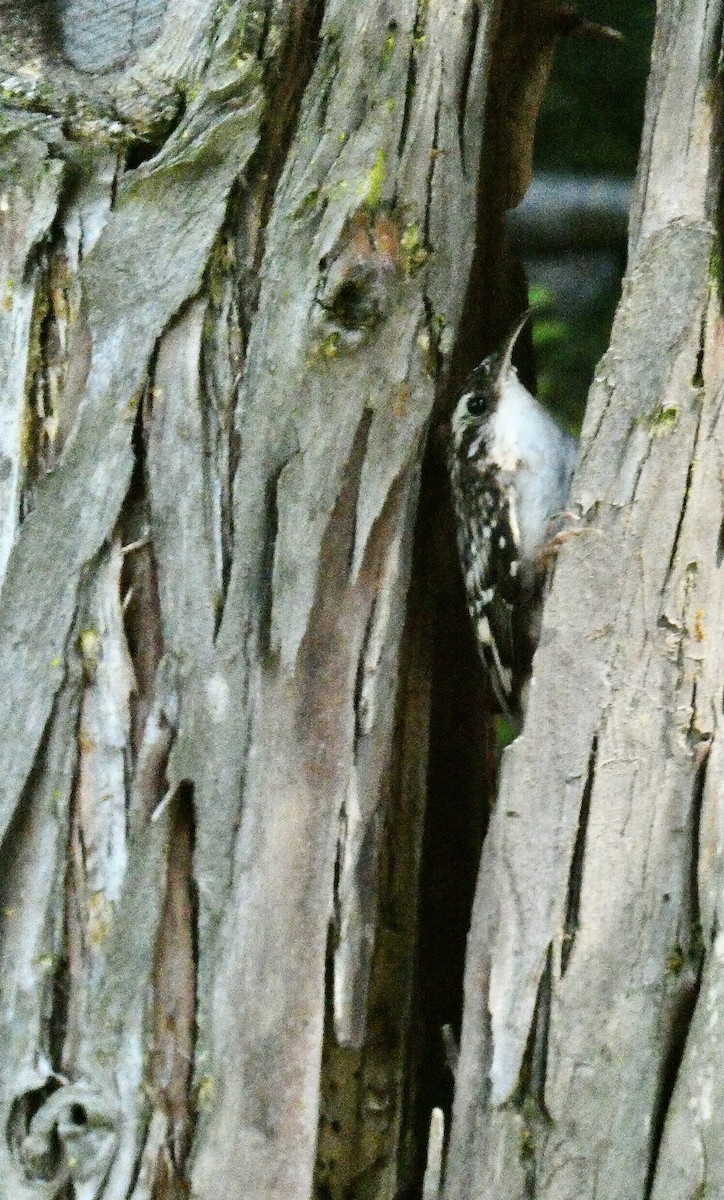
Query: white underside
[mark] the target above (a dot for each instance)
(536, 459)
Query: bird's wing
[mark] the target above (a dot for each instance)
(487, 542)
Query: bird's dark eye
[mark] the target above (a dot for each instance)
(477, 405)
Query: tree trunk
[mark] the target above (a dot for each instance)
(590, 1060)
(246, 248)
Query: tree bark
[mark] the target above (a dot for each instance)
(236, 244)
(248, 250)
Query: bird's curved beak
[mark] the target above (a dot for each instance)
(509, 344)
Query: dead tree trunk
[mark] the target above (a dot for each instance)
(591, 1053)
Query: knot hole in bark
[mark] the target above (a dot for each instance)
(360, 279)
(60, 1131)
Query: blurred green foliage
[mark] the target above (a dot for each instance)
(566, 356)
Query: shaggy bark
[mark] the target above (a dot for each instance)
(236, 241)
(245, 248)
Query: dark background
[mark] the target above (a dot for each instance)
(589, 126)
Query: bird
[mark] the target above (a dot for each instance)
(510, 465)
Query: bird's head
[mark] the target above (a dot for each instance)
(482, 388)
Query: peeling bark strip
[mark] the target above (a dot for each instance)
(630, 663)
(28, 201)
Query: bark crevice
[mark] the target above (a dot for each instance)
(471, 20)
(685, 963)
(575, 873)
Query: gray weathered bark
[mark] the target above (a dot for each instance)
(236, 244)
